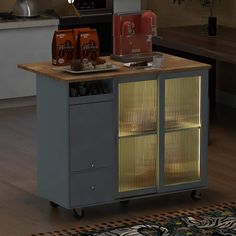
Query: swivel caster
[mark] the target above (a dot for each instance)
(124, 203)
(53, 204)
(196, 195)
(78, 212)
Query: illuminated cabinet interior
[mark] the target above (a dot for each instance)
(138, 134)
(150, 157)
(137, 162)
(182, 130)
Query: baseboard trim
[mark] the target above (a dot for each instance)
(18, 102)
(226, 98)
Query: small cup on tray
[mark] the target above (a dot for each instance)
(76, 65)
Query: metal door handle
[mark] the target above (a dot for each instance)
(92, 188)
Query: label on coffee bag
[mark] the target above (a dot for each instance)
(89, 45)
(63, 47)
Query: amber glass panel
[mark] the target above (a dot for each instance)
(182, 103)
(182, 162)
(137, 107)
(137, 162)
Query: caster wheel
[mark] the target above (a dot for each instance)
(124, 203)
(196, 195)
(53, 204)
(78, 212)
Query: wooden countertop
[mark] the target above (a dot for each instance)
(171, 64)
(194, 39)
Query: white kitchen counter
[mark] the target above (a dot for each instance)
(23, 41)
(29, 23)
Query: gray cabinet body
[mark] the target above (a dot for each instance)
(91, 137)
(78, 143)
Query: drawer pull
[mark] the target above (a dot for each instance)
(92, 188)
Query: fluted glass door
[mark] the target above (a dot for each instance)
(138, 139)
(182, 130)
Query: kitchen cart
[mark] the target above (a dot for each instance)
(142, 133)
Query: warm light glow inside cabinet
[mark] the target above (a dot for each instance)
(162, 133)
(138, 134)
(182, 130)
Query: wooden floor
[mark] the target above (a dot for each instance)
(22, 212)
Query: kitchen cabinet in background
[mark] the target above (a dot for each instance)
(22, 42)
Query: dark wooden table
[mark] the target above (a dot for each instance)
(193, 42)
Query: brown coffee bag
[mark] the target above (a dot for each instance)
(89, 45)
(63, 47)
(77, 32)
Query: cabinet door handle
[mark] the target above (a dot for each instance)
(92, 188)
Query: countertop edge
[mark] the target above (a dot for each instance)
(29, 24)
(67, 78)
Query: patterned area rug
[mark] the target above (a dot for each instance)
(214, 220)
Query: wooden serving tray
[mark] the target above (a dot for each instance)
(68, 69)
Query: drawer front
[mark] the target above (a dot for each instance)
(91, 187)
(91, 136)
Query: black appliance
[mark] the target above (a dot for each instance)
(89, 4)
(96, 15)
(7, 16)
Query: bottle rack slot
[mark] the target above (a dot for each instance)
(90, 92)
(90, 88)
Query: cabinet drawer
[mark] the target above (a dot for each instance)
(91, 136)
(91, 187)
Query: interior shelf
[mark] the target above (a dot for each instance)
(182, 126)
(126, 134)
